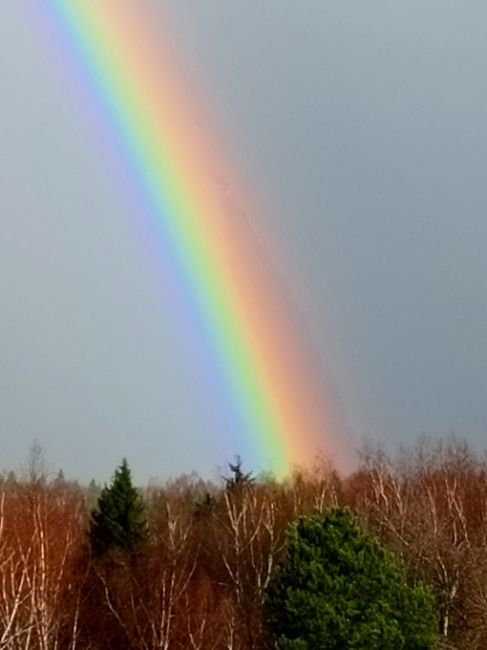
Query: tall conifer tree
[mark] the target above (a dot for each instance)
(118, 521)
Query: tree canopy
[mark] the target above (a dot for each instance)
(238, 478)
(337, 588)
(118, 521)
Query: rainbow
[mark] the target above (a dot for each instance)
(248, 321)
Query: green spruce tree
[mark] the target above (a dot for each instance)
(336, 589)
(118, 522)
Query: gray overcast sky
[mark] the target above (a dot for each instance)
(360, 125)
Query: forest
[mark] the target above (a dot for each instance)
(193, 564)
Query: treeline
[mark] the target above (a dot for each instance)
(195, 573)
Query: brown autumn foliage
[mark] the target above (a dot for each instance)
(199, 582)
(42, 566)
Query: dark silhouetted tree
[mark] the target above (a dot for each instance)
(337, 588)
(238, 478)
(118, 521)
